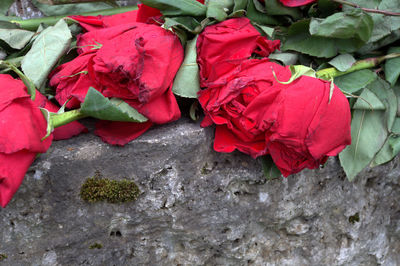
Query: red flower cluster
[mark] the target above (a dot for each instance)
(295, 123)
(134, 61)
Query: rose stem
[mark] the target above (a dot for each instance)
(33, 24)
(332, 72)
(66, 117)
(370, 10)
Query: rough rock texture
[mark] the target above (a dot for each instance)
(198, 207)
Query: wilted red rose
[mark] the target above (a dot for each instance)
(22, 126)
(294, 3)
(294, 123)
(229, 40)
(136, 62)
(72, 81)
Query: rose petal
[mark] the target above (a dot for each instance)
(12, 171)
(120, 133)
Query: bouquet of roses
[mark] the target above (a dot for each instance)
(289, 81)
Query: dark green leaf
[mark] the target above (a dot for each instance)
(344, 25)
(258, 17)
(98, 106)
(269, 168)
(392, 67)
(368, 133)
(383, 25)
(186, 82)
(342, 62)
(69, 9)
(47, 48)
(239, 5)
(178, 7)
(4, 6)
(299, 39)
(286, 58)
(275, 7)
(355, 81)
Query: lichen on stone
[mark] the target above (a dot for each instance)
(98, 188)
(96, 246)
(3, 257)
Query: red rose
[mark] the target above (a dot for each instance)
(229, 40)
(136, 62)
(22, 126)
(294, 123)
(294, 3)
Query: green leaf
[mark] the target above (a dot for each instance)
(5, 5)
(269, 168)
(388, 97)
(369, 101)
(16, 38)
(297, 71)
(178, 7)
(391, 147)
(258, 17)
(383, 25)
(299, 39)
(47, 48)
(392, 67)
(275, 7)
(187, 23)
(389, 150)
(218, 9)
(69, 9)
(186, 82)
(286, 58)
(114, 109)
(355, 81)
(239, 5)
(368, 133)
(344, 25)
(264, 30)
(342, 62)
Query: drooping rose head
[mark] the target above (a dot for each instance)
(232, 39)
(136, 62)
(22, 127)
(231, 99)
(295, 123)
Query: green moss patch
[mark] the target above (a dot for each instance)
(3, 257)
(96, 246)
(97, 189)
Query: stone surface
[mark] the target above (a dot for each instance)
(198, 207)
